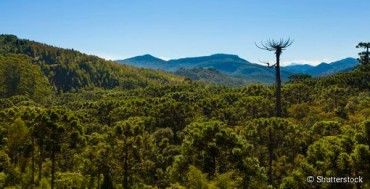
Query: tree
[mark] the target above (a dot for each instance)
(133, 146)
(298, 78)
(197, 179)
(213, 147)
(55, 129)
(329, 157)
(272, 138)
(18, 76)
(18, 135)
(17, 139)
(364, 55)
(174, 115)
(361, 162)
(217, 149)
(93, 156)
(278, 47)
(53, 139)
(253, 107)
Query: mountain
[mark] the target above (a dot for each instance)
(211, 76)
(298, 67)
(67, 69)
(324, 69)
(319, 69)
(146, 61)
(224, 63)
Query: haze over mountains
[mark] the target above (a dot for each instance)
(233, 65)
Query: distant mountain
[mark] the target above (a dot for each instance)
(147, 60)
(225, 63)
(235, 66)
(211, 76)
(319, 69)
(324, 69)
(221, 62)
(298, 67)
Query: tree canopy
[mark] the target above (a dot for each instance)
(69, 120)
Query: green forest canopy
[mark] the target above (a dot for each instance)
(73, 120)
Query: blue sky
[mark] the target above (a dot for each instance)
(323, 30)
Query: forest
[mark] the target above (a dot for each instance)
(72, 120)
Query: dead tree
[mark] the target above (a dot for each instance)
(278, 46)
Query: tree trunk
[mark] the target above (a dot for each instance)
(21, 178)
(125, 167)
(107, 183)
(52, 165)
(40, 163)
(99, 178)
(278, 85)
(213, 165)
(270, 149)
(33, 161)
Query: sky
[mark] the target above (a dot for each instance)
(322, 30)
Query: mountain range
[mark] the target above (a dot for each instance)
(323, 69)
(231, 65)
(63, 70)
(234, 66)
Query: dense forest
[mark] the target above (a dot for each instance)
(212, 76)
(71, 120)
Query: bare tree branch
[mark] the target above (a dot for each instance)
(268, 63)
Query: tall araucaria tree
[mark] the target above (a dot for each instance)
(278, 46)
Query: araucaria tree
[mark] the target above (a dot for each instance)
(278, 46)
(364, 55)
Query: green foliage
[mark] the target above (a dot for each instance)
(196, 179)
(113, 126)
(324, 128)
(17, 141)
(44, 184)
(4, 161)
(226, 181)
(20, 77)
(69, 180)
(298, 78)
(69, 70)
(206, 145)
(2, 179)
(211, 76)
(364, 56)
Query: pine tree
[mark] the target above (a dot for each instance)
(364, 55)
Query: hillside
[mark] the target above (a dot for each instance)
(228, 64)
(68, 69)
(211, 76)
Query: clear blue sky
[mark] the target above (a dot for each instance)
(323, 30)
